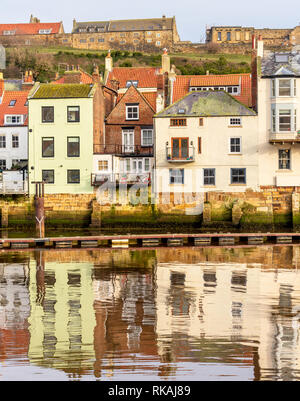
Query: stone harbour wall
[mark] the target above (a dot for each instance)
(272, 208)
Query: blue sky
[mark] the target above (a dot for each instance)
(192, 16)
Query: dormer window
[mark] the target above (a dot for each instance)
(9, 32)
(134, 83)
(13, 119)
(281, 58)
(12, 103)
(45, 31)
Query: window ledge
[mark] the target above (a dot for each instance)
(284, 170)
(235, 126)
(209, 186)
(176, 127)
(237, 185)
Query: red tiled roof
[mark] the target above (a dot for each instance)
(183, 83)
(214, 80)
(85, 78)
(147, 77)
(149, 96)
(18, 108)
(30, 29)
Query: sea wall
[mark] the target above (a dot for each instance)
(272, 208)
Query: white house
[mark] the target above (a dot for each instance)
(278, 113)
(206, 141)
(13, 129)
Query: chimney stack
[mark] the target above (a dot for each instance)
(108, 62)
(260, 47)
(165, 61)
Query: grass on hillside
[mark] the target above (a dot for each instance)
(45, 62)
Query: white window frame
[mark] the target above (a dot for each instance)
(240, 145)
(235, 121)
(45, 31)
(128, 147)
(103, 162)
(290, 87)
(136, 112)
(7, 33)
(158, 43)
(175, 176)
(142, 138)
(18, 117)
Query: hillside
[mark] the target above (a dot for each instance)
(47, 62)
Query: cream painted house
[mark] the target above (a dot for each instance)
(278, 115)
(204, 142)
(61, 137)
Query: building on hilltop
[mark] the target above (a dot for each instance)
(243, 35)
(32, 33)
(137, 35)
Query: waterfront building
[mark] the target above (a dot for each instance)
(278, 104)
(206, 141)
(13, 128)
(63, 125)
(126, 153)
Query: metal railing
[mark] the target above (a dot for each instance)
(98, 179)
(186, 154)
(124, 150)
(13, 187)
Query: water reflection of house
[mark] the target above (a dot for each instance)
(125, 316)
(14, 310)
(84, 315)
(231, 304)
(62, 316)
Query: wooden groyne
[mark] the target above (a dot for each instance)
(151, 240)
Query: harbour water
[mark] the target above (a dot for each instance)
(151, 314)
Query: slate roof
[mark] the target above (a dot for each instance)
(271, 66)
(151, 24)
(207, 104)
(61, 91)
(18, 108)
(30, 29)
(183, 83)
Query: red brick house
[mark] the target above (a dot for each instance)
(126, 154)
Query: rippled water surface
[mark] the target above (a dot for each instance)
(165, 314)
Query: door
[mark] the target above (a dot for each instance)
(180, 149)
(128, 141)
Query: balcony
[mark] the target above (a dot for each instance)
(180, 155)
(284, 137)
(124, 150)
(98, 179)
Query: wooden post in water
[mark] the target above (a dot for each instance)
(39, 209)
